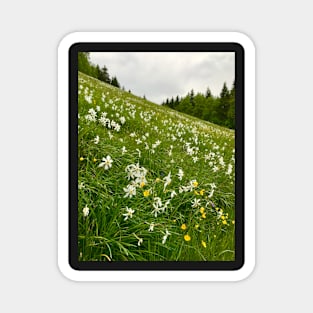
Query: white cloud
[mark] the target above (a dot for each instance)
(161, 75)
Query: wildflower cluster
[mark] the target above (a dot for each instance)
(152, 178)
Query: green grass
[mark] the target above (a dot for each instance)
(104, 233)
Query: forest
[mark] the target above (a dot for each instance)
(218, 110)
(87, 67)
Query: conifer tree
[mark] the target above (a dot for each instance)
(208, 93)
(192, 94)
(104, 75)
(171, 105)
(176, 103)
(223, 107)
(114, 82)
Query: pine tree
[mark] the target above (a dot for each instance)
(176, 103)
(232, 108)
(104, 75)
(224, 93)
(171, 103)
(224, 103)
(114, 82)
(208, 93)
(192, 94)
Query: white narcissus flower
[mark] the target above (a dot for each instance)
(106, 162)
(96, 140)
(221, 161)
(229, 169)
(157, 202)
(123, 120)
(195, 159)
(129, 213)
(130, 191)
(167, 233)
(140, 241)
(180, 174)
(211, 193)
(81, 185)
(215, 169)
(195, 203)
(151, 227)
(213, 185)
(124, 150)
(85, 211)
(157, 205)
(117, 127)
(167, 180)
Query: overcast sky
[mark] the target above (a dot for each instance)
(161, 75)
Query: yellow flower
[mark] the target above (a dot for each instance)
(142, 184)
(183, 227)
(203, 243)
(224, 222)
(187, 237)
(196, 193)
(203, 215)
(146, 193)
(197, 226)
(157, 180)
(81, 159)
(195, 184)
(222, 217)
(202, 210)
(202, 192)
(94, 159)
(233, 222)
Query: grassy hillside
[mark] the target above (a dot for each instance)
(154, 184)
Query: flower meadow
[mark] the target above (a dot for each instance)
(153, 184)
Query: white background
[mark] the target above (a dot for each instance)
(29, 277)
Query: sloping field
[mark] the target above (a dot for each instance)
(154, 184)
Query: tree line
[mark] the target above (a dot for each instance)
(218, 110)
(87, 67)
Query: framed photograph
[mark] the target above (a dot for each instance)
(156, 156)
